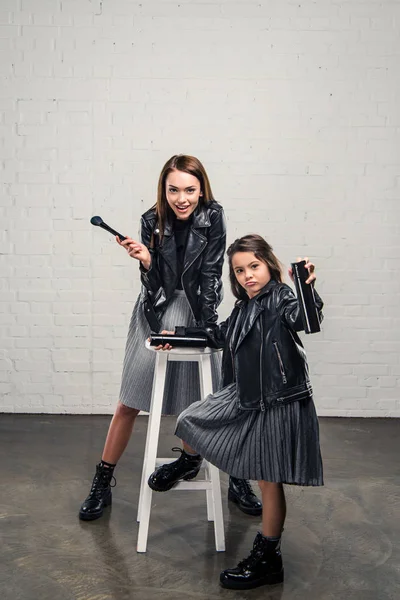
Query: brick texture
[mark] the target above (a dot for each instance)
(294, 110)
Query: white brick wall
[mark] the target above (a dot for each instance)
(294, 109)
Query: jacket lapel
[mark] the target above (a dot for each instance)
(250, 319)
(168, 247)
(255, 312)
(196, 241)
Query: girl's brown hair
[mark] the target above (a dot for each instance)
(262, 250)
(187, 164)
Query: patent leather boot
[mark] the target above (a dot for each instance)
(241, 493)
(100, 494)
(263, 566)
(165, 477)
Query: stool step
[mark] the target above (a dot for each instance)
(193, 485)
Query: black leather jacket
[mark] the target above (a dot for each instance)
(201, 277)
(268, 362)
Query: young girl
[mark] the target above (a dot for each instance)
(262, 424)
(180, 256)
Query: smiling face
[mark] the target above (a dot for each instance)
(251, 272)
(183, 193)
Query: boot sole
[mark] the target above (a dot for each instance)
(273, 579)
(255, 512)
(168, 487)
(83, 516)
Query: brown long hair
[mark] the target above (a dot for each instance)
(187, 164)
(262, 250)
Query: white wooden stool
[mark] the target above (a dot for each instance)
(211, 483)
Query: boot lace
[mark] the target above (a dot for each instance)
(246, 488)
(253, 558)
(171, 467)
(176, 449)
(100, 482)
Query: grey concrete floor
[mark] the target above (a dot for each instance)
(341, 542)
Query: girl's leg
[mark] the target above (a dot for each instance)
(274, 508)
(264, 565)
(188, 449)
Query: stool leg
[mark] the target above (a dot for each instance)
(217, 509)
(204, 363)
(210, 504)
(214, 499)
(149, 462)
(205, 376)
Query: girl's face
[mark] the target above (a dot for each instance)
(251, 272)
(183, 193)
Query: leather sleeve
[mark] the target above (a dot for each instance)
(288, 307)
(151, 279)
(211, 274)
(216, 335)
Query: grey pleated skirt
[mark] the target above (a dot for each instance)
(279, 445)
(182, 378)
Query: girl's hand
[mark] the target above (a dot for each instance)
(166, 346)
(309, 266)
(136, 250)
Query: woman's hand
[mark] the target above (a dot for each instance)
(309, 266)
(166, 346)
(136, 250)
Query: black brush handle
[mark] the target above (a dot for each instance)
(98, 222)
(177, 341)
(112, 231)
(305, 297)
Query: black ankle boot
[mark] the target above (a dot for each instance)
(241, 492)
(165, 477)
(100, 494)
(262, 567)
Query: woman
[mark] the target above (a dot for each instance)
(181, 255)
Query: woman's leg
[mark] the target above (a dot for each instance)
(118, 436)
(119, 433)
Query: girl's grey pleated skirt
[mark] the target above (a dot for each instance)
(182, 379)
(280, 444)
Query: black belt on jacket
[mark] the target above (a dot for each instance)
(151, 316)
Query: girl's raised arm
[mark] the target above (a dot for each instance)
(289, 308)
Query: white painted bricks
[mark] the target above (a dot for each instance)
(292, 107)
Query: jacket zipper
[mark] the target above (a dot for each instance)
(282, 368)
(187, 268)
(262, 405)
(293, 395)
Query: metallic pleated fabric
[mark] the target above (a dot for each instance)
(182, 379)
(279, 445)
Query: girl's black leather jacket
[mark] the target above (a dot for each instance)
(201, 277)
(268, 362)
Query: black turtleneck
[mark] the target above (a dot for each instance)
(181, 232)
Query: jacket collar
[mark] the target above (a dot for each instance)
(200, 219)
(257, 309)
(267, 289)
